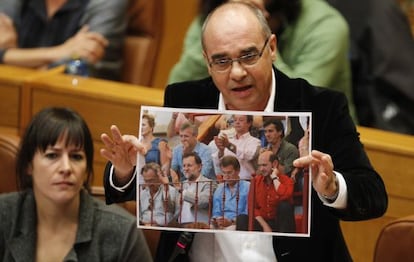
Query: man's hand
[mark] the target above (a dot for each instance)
(222, 222)
(303, 144)
(8, 35)
(323, 177)
(85, 44)
(163, 177)
(264, 224)
(121, 151)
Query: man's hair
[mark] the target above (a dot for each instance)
(195, 155)
(274, 157)
(230, 161)
(256, 11)
(277, 123)
(151, 166)
(288, 9)
(193, 127)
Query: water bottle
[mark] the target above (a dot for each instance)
(78, 67)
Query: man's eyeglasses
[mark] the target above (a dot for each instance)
(222, 65)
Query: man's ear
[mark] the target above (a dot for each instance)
(207, 62)
(273, 46)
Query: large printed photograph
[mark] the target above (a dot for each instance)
(209, 171)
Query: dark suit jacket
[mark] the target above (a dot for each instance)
(333, 133)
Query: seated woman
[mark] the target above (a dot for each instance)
(53, 217)
(157, 149)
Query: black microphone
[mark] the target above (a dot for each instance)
(183, 241)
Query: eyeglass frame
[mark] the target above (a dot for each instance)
(239, 59)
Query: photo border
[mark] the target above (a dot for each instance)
(165, 110)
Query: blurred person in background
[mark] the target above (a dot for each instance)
(382, 58)
(44, 33)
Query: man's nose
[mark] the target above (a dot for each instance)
(237, 71)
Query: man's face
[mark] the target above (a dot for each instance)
(191, 168)
(264, 166)
(272, 135)
(188, 139)
(150, 177)
(241, 125)
(230, 175)
(231, 34)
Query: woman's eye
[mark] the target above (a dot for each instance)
(78, 157)
(51, 155)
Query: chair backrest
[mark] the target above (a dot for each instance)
(143, 41)
(9, 145)
(396, 241)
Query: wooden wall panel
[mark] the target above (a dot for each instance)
(391, 155)
(9, 106)
(12, 80)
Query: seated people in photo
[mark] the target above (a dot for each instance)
(270, 195)
(230, 197)
(274, 132)
(39, 34)
(188, 144)
(156, 148)
(243, 145)
(158, 201)
(196, 192)
(53, 217)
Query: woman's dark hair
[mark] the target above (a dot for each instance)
(44, 130)
(206, 6)
(288, 9)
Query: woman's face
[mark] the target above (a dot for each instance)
(145, 127)
(58, 173)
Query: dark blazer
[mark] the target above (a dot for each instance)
(105, 233)
(334, 133)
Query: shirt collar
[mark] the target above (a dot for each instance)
(270, 102)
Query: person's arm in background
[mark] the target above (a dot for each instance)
(85, 44)
(8, 37)
(191, 65)
(108, 18)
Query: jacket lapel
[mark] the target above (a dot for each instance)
(22, 245)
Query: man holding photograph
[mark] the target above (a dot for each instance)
(239, 49)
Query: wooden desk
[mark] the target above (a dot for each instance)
(12, 80)
(101, 103)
